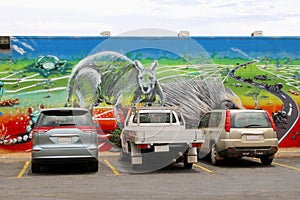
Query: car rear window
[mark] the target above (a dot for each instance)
(155, 118)
(250, 120)
(65, 118)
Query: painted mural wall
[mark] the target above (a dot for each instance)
(109, 74)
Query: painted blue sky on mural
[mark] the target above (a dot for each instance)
(68, 47)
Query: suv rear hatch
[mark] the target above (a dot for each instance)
(250, 127)
(65, 128)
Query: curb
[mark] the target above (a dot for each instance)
(25, 156)
(288, 152)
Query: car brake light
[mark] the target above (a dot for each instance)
(38, 132)
(271, 120)
(230, 150)
(227, 121)
(87, 130)
(198, 145)
(143, 146)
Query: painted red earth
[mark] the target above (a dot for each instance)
(12, 126)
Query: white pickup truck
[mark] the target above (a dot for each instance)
(157, 136)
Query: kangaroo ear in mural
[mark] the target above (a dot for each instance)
(153, 65)
(138, 65)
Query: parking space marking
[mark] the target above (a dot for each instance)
(26, 165)
(203, 168)
(111, 167)
(287, 166)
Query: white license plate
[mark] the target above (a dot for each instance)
(252, 137)
(164, 148)
(64, 139)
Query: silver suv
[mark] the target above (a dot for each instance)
(238, 133)
(64, 135)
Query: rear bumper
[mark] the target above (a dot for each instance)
(61, 154)
(68, 160)
(249, 151)
(239, 148)
(151, 156)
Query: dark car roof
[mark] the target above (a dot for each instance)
(64, 109)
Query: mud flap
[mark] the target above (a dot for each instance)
(136, 155)
(192, 155)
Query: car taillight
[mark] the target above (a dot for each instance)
(143, 146)
(87, 130)
(38, 132)
(198, 145)
(271, 120)
(227, 121)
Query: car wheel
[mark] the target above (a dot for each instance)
(35, 167)
(94, 166)
(265, 160)
(214, 155)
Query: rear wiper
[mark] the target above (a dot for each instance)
(252, 125)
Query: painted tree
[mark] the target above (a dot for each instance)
(297, 77)
(287, 62)
(19, 75)
(47, 85)
(256, 96)
(265, 60)
(278, 64)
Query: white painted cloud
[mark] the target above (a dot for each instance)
(200, 17)
(18, 49)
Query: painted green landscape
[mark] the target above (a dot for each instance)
(48, 87)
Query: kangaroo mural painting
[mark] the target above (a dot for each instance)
(105, 76)
(113, 78)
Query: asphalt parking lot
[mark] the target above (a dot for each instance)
(237, 179)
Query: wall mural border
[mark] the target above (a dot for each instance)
(252, 72)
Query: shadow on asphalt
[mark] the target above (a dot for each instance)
(158, 169)
(63, 169)
(237, 163)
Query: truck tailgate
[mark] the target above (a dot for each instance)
(163, 135)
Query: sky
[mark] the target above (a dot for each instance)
(199, 17)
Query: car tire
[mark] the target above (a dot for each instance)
(35, 167)
(214, 155)
(94, 166)
(265, 160)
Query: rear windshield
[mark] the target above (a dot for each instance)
(65, 118)
(155, 118)
(249, 120)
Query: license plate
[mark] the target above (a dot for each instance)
(252, 137)
(164, 148)
(64, 139)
